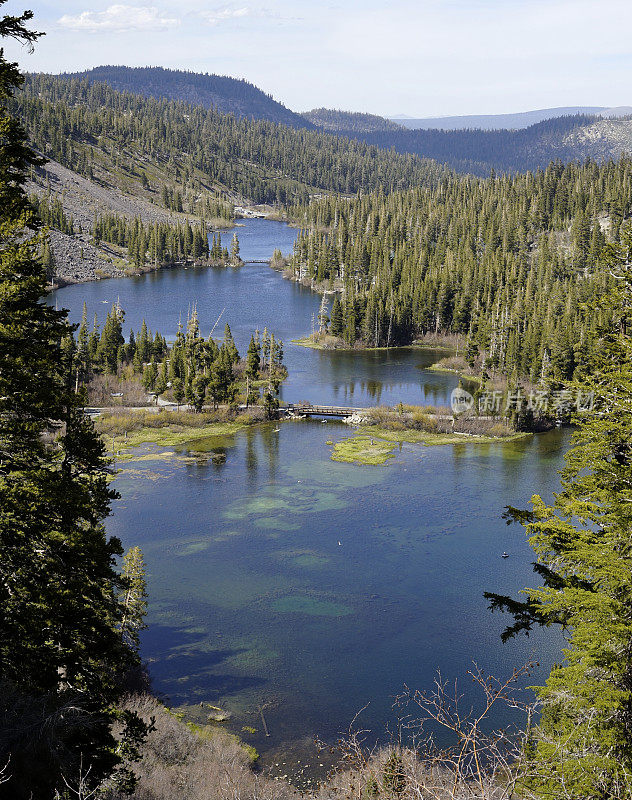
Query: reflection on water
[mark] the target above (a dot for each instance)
(282, 577)
(253, 297)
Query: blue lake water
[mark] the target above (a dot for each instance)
(312, 587)
(253, 297)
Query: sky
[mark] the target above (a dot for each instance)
(423, 59)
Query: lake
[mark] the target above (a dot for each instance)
(281, 579)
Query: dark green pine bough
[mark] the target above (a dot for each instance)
(582, 747)
(63, 646)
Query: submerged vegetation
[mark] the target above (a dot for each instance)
(533, 273)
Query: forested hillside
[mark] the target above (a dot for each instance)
(331, 120)
(493, 122)
(507, 262)
(474, 149)
(80, 125)
(480, 151)
(225, 94)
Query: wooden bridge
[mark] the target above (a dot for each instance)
(321, 411)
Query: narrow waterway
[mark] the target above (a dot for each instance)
(283, 579)
(254, 296)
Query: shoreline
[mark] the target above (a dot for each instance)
(121, 440)
(59, 282)
(308, 342)
(449, 371)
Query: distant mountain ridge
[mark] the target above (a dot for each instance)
(334, 120)
(228, 95)
(510, 145)
(517, 121)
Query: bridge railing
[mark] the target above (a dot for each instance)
(334, 411)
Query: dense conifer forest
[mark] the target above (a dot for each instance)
(508, 262)
(481, 151)
(348, 122)
(531, 272)
(221, 92)
(75, 123)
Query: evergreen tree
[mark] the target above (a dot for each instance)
(178, 390)
(163, 379)
(252, 360)
(134, 586)
(111, 340)
(230, 346)
(61, 653)
(150, 376)
(337, 323)
(582, 747)
(234, 250)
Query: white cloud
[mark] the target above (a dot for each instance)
(217, 15)
(119, 18)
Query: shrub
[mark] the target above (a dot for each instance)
(423, 422)
(194, 762)
(394, 776)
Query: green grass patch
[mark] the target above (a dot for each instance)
(123, 433)
(379, 447)
(439, 368)
(307, 341)
(363, 450)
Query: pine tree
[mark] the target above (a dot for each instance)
(252, 360)
(234, 250)
(178, 391)
(111, 340)
(46, 257)
(337, 322)
(229, 343)
(163, 379)
(150, 375)
(134, 586)
(61, 653)
(200, 382)
(582, 747)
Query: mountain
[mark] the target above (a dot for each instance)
(227, 95)
(288, 174)
(603, 139)
(479, 151)
(332, 120)
(144, 144)
(488, 122)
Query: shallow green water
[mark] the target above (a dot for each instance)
(282, 577)
(313, 587)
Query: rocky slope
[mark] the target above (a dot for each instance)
(75, 258)
(605, 138)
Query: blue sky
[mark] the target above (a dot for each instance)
(424, 58)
